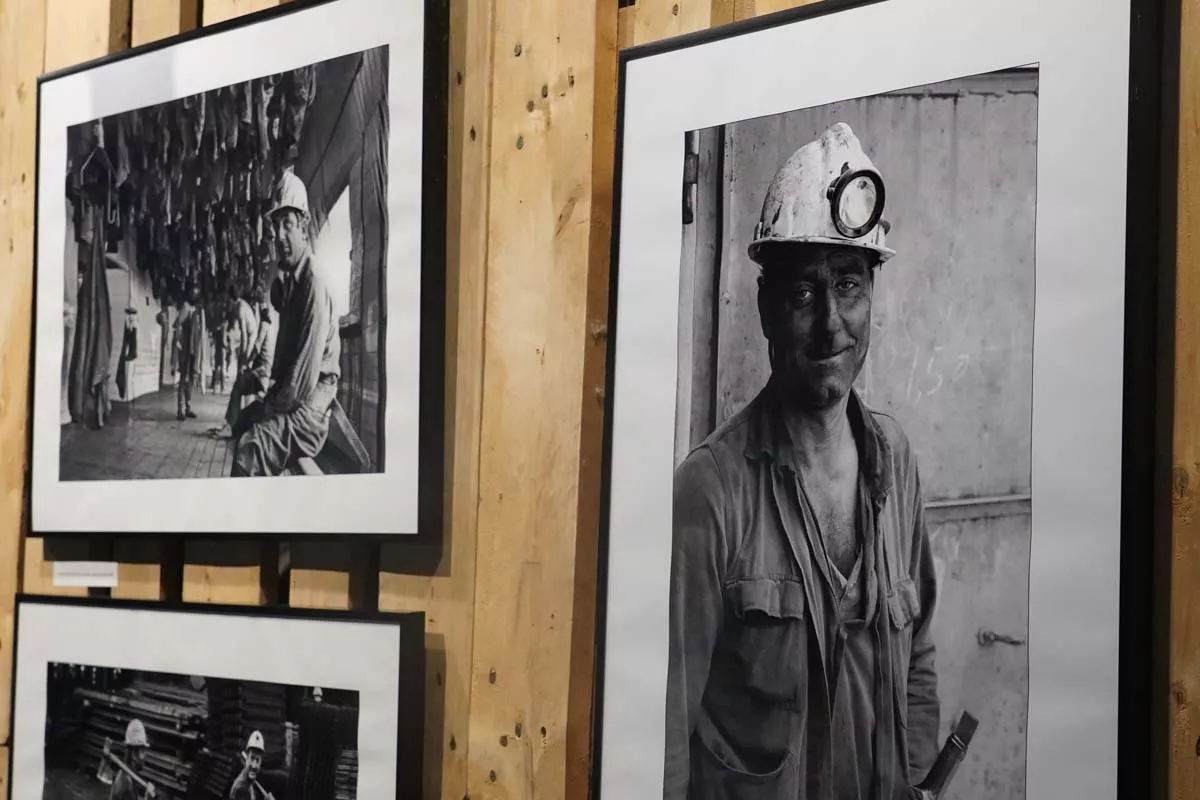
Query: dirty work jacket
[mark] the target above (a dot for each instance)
(755, 648)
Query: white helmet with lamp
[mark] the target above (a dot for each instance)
(828, 193)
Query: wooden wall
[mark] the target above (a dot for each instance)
(510, 604)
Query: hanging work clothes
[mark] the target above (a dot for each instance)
(87, 393)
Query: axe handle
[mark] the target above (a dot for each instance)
(138, 779)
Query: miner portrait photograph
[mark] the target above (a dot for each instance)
(224, 281)
(849, 561)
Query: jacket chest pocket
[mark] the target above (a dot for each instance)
(769, 639)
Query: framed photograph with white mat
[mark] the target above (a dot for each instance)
(240, 273)
(214, 701)
(878, 490)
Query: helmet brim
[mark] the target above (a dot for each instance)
(759, 246)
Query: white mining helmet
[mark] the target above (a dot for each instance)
(290, 192)
(135, 734)
(255, 742)
(828, 192)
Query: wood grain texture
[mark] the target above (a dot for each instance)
(591, 437)
(539, 227)
(447, 598)
(158, 19)
(650, 20)
(220, 10)
(22, 43)
(1184, 770)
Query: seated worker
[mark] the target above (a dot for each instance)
(256, 378)
(292, 420)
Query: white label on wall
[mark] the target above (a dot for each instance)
(85, 573)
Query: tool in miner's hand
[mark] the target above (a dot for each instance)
(257, 785)
(952, 754)
(110, 762)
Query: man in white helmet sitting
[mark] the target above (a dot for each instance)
(245, 785)
(801, 657)
(124, 787)
(292, 421)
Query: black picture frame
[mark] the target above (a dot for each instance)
(1148, 373)
(433, 298)
(410, 676)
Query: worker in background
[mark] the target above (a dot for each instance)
(246, 327)
(189, 353)
(256, 378)
(292, 421)
(800, 652)
(123, 786)
(245, 785)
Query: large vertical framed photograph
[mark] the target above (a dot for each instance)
(881, 381)
(112, 698)
(240, 273)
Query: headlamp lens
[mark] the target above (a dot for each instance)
(857, 203)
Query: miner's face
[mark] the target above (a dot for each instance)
(815, 307)
(137, 757)
(254, 762)
(292, 236)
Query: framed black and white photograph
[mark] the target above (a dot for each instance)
(864, 477)
(241, 274)
(136, 701)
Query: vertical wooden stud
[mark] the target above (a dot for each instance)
(22, 48)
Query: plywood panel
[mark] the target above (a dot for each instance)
(1184, 778)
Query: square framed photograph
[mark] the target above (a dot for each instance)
(240, 273)
(135, 700)
(881, 406)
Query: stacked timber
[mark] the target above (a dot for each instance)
(345, 781)
(174, 717)
(238, 708)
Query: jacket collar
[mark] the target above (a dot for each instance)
(768, 440)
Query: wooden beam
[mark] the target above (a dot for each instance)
(22, 48)
(220, 10)
(539, 238)
(591, 438)
(1184, 669)
(158, 19)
